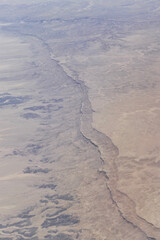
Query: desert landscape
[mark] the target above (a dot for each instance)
(79, 120)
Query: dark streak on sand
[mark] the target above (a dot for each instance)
(11, 100)
(60, 236)
(36, 170)
(61, 220)
(30, 115)
(50, 185)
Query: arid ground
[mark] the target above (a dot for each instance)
(79, 120)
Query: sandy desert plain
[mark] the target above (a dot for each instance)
(79, 120)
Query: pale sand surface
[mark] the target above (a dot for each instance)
(131, 118)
